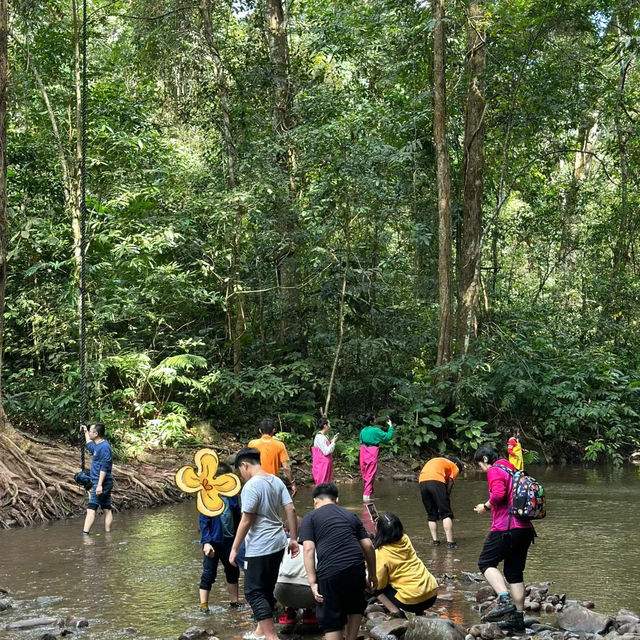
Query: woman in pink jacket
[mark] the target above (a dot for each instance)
(508, 541)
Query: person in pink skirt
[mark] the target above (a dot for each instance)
(370, 439)
(322, 453)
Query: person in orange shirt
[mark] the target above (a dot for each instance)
(436, 481)
(273, 453)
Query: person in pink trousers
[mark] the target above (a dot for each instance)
(370, 439)
(322, 453)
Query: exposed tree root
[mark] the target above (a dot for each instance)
(36, 482)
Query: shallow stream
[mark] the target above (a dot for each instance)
(144, 575)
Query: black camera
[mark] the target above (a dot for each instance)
(83, 479)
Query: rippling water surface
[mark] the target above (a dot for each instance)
(144, 575)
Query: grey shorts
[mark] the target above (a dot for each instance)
(296, 596)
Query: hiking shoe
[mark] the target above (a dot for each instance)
(309, 617)
(502, 609)
(452, 545)
(204, 608)
(288, 617)
(436, 543)
(513, 622)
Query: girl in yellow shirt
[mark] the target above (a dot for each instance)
(403, 581)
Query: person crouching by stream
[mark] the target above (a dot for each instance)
(403, 581)
(509, 540)
(101, 477)
(216, 537)
(293, 591)
(370, 439)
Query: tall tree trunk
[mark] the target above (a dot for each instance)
(621, 247)
(235, 299)
(4, 71)
(282, 123)
(443, 168)
(75, 186)
(473, 176)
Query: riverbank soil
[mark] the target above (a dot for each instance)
(36, 476)
(36, 481)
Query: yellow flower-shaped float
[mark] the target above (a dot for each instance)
(202, 480)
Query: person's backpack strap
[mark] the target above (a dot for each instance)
(509, 490)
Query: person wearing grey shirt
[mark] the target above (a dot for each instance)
(263, 495)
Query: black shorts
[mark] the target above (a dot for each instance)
(435, 499)
(511, 546)
(417, 608)
(343, 595)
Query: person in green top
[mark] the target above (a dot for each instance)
(370, 439)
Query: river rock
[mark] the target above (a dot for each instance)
(421, 628)
(474, 577)
(44, 601)
(48, 636)
(405, 477)
(486, 631)
(537, 627)
(33, 622)
(629, 627)
(445, 597)
(620, 620)
(374, 608)
(5, 604)
(394, 627)
(627, 612)
(376, 616)
(484, 593)
(196, 633)
(579, 619)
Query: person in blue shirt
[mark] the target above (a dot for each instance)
(101, 478)
(216, 538)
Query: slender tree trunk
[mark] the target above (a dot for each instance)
(282, 123)
(235, 299)
(443, 169)
(4, 71)
(473, 175)
(336, 358)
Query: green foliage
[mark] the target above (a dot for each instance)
(218, 297)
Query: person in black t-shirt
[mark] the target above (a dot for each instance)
(343, 547)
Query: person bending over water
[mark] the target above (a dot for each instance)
(403, 581)
(337, 579)
(436, 482)
(509, 541)
(370, 439)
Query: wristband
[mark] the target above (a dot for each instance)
(488, 508)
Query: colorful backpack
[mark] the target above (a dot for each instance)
(527, 497)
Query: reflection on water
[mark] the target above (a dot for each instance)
(144, 575)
